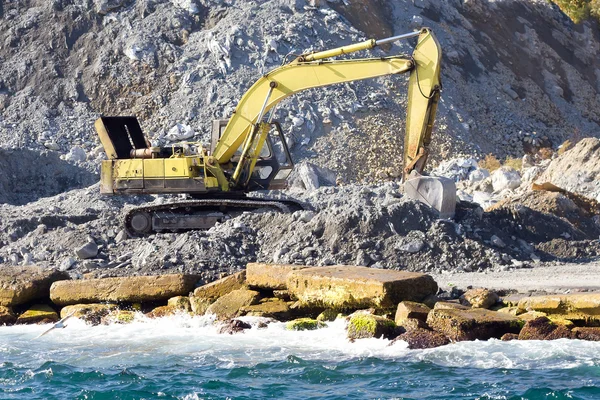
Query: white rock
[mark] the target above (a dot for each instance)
(478, 174)
(105, 6)
(309, 177)
(138, 49)
(297, 121)
(52, 145)
(505, 178)
(180, 132)
(121, 236)
(188, 5)
(76, 154)
(66, 264)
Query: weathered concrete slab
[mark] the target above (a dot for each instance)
(343, 287)
(221, 287)
(20, 285)
(411, 309)
(132, 289)
(460, 325)
(231, 305)
(269, 276)
(575, 307)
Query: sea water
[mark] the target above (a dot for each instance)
(185, 358)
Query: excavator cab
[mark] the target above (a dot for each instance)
(274, 164)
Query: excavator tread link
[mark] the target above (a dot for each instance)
(220, 205)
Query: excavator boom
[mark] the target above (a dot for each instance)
(237, 162)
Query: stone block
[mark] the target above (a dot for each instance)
(411, 309)
(131, 289)
(20, 285)
(221, 287)
(269, 276)
(230, 305)
(363, 325)
(349, 287)
(278, 309)
(461, 325)
(480, 298)
(575, 307)
(422, 339)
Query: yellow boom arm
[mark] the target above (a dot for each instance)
(310, 71)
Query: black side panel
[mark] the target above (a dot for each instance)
(125, 133)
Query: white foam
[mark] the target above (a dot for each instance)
(149, 341)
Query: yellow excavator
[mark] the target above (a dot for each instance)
(248, 152)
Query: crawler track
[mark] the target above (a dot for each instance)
(198, 214)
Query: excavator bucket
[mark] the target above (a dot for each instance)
(436, 192)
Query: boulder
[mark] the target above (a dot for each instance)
(20, 285)
(181, 303)
(542, 328)
(461, 325)
(479, 298)
(349, 287)
(199, 305)
(328, 315)
(586, 333)
(505, 178)
(233, 326)
(364, 325)
(577, 307)
(274, 308)
(88, 250)
(131, 289)
(7, 316)
(38, 314)
(410, 309)
(269, 276)
(304, 324)
(221, 287)
(163, 311)
(507, 337)
(230, 305)
(90, 313)
(422, 339)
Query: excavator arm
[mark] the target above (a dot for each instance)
(246, 129)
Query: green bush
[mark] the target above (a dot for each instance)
(579, 10)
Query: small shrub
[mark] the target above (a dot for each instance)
(564, 147)
(545, 153)
(516, 163)
(490, 162)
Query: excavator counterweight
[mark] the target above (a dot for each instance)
(249, 152)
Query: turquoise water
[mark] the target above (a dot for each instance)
(185, 358)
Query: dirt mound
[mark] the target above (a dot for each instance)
(29, 175)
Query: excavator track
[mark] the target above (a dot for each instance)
(197, 214)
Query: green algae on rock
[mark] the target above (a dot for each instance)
(304, 324)
(39, 313)
(364, 325)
